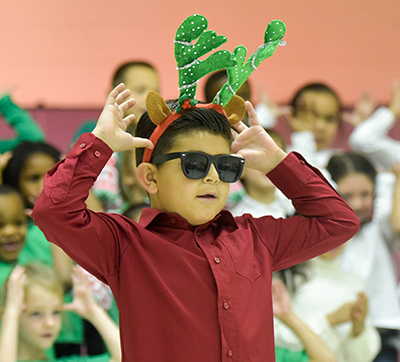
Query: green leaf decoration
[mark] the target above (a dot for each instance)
(240, 72)
(187, 55)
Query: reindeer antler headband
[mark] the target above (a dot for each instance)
(191, 69)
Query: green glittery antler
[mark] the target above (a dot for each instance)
(239, 73)
(187, 55)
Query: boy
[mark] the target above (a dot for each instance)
(191, 282)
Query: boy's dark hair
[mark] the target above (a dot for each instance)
(19, 156)
(192, 120)
(119, 75)
(339, 166)
(316, 88)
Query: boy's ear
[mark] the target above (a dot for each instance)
(146, 173)
(235, 109)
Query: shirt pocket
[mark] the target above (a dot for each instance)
(244, 258)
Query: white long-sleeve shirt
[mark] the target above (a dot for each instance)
(326, 290)
(371, 139)
(367, 255)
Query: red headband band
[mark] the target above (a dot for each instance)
(160, 129)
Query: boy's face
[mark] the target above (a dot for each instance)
(323, 110)
(40, 321)
(13, 226)
(32, 175)
(140, 80)
(198, 201)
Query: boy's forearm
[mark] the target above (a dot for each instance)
(327, 220)
(61, 212)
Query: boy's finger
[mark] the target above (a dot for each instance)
(122, 97)
(127, 104)
(142, 142)
(240, 126)
(128, 120)
(252, 114)
(114, 94)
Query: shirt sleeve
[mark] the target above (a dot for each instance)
(325, 221)
(22, 123)
(93, 240)
(371, 138)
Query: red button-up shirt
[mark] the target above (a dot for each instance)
(190, 294)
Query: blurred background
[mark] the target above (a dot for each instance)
(60, 55)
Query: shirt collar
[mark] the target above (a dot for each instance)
(152, 216)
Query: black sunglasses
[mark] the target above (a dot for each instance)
(195, 165)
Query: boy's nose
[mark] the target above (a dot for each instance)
(212, 175)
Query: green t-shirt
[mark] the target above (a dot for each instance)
(99, 358)
(285, 355)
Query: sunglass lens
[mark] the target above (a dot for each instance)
(194, 166)
(229, 168)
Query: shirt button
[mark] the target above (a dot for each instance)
(226, 305)
(198, 232)
(302, 162)
(82, 145)
(217, 260)
(229, 353)
(97, 153)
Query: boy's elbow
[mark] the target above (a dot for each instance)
(354, 225)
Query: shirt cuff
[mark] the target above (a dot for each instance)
(92, 151)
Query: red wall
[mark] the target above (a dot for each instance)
(62, 53)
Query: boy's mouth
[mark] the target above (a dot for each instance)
(208, 197)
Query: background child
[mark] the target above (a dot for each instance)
(25, 172)
(261, 195)
(189, 279)
(13, 228)
(116, 188)
(32, 303)
(370, 136)
(332, 303)
(314, 126)
(367, 254)
(315, 350)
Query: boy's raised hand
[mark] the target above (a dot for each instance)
(255, 145)
(111, 126)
